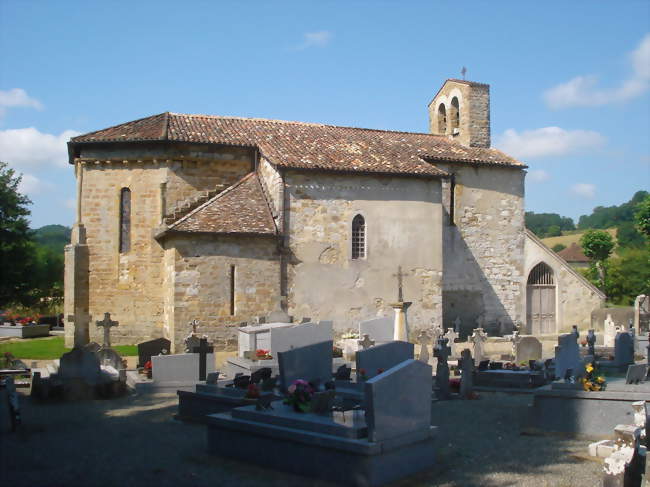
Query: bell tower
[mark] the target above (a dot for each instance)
(461, 111)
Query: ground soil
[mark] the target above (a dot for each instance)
(134, 441)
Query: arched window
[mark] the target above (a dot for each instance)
(442, 119)
(125, 220)
(358, 237)
(454, 115)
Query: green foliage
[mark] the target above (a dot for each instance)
(628, 236)
(558, 247)
(612, 216)
(17, 252)
(642, 216)
(597, 245)
(54, 237)
(548, 224)
(51, 348)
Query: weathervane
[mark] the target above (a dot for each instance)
(463, 71)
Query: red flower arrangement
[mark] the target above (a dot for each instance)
(362, 374)
(148, 365)
(263, 354)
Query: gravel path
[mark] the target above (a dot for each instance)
(133, 441)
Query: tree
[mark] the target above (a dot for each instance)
(628, 236)
(558, 247)
(17, 253)
(642, 216)
(598, 246)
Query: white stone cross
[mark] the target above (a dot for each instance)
(366, 342)
(451, 335)
(194, 324)
(478, 338)
(515, 339)
(107, 323)
(424, 340)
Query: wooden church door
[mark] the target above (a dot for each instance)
(540, 307)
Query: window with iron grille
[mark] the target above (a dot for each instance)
(358, 237)
(125, 220)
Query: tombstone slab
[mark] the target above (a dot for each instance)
(182, 367)
(528, 348)
(567, 356)
(623, 349)
(379, 329)
(311, 363)
(382, 357)
(287, 338)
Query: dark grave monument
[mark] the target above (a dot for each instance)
(151, 348)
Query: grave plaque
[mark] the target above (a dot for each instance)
(636, 373)
(623, 349)
(567, 356)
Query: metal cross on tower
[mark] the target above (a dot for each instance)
(400, 277)
(107, 323)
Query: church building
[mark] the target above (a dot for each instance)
(225, 219)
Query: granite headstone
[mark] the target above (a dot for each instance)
(382, 357)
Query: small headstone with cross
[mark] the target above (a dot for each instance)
(478, 338)
(451, 336)
(424, 340)
(203, 350)
(192, 340)
(366, 342)
(107, 323)
(441, 352)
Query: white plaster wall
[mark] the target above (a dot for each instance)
(403, 227)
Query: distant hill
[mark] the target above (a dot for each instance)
(574, 237)
(612, 216)
(53, 237)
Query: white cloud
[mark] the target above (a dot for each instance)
(538, 176)
(584, 190)
(584, 91)
(17, 98)
(547, 141)
(30, 185)
(316, 39)
(29, 148)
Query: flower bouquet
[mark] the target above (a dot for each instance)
(593, 381)
(299, 395)
(263, 355)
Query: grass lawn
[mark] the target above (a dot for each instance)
(50, 348)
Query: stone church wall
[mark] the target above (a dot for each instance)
(201, 283)
(484, 250)
(403, 220)
(575, 297)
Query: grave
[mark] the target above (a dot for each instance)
(527, 348)
(379, 329)
(567, 356)
(151, 348)
(312, 363)
(623, 353)
(386, 442)
(24, 331)
(382, 357)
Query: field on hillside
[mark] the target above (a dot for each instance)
(569, 239)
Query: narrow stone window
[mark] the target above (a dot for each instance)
(454, 115)
(452, 200)
(232, 290)
(442, 119)
(358, 237)
(125, 220)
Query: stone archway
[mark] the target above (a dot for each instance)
(540, 302)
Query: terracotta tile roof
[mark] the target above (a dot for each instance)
(308, 145)
(573, 253)
(240, 209)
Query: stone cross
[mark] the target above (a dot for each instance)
(441, 351)
(591, 342)
(467, 374)
(478, 338)
(424, 340)
(437, 332)
(203, 350)
(107, 323)
(194, 324)
(515, 339)
(457, 324)
(451, 336)
(366, 342)
(400, 276)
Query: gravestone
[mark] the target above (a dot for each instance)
(441, 351)
(609, 331)
(380, 329)
(261, 375)
(567, 356)
(311, 363)
(591, 343)
(80, 364)
(623, 349)
(157, 346)
(192, 340)
(382, 357)
(183, 367)
(636, 373)
(528, 348)
(478, 338)
(451, 336)
(283, 339)
(256, 337)
(107, 324)
(390, 419)
(467, 374)
(424, 340)
(203, 350)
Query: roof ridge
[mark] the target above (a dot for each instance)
(294, 122)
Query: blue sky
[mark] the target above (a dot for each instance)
(570, 81)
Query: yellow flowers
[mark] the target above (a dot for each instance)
(589, 368)
(592, 382)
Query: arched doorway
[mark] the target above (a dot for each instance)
(540, 303)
